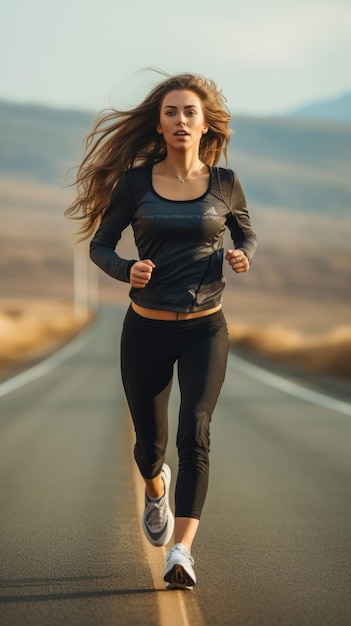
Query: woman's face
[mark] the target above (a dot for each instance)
(182, 122)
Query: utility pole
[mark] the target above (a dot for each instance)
(85, 284)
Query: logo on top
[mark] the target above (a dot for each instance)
(211, 211)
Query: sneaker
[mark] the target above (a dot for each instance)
(158, 520)
(179, 571)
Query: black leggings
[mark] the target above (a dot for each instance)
(149, 349)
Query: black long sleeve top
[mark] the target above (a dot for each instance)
(184, 239)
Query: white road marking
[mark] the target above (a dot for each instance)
(287, 386)
(43, 367)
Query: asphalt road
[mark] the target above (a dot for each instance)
(274, 545)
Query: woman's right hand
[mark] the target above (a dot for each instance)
(140, 273)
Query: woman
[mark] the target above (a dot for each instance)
(154, 167)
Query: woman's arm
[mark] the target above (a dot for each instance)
(117, 217)
(239, 224)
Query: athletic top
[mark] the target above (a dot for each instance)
(183, 238)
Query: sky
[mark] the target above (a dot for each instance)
(267, 56)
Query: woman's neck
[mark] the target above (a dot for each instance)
(182, 167)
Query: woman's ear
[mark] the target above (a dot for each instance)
(205, 130)
(159, 129)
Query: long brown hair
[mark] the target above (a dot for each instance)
(120, 140)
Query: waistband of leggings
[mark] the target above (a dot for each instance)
(165, 315)
(174, 323)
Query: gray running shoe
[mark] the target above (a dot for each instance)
(179, 571)
(158, 520)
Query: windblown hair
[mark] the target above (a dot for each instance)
(120, 140)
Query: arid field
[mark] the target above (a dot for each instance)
(293, 305)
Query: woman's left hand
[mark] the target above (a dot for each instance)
(237, 260)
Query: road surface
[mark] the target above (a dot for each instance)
(274, 545)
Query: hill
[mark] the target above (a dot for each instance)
(334, 109)
(294, 164)
(287, 163)
(40, 143)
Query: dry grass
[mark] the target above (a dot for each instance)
(325, 353)
(30, 329)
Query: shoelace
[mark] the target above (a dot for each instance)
(183, 552)
(156, 514)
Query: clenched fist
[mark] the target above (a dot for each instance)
(140, 273)
(237, 260)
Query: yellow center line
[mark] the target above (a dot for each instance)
(172, 604)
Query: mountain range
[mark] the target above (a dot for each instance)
(287, 162)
